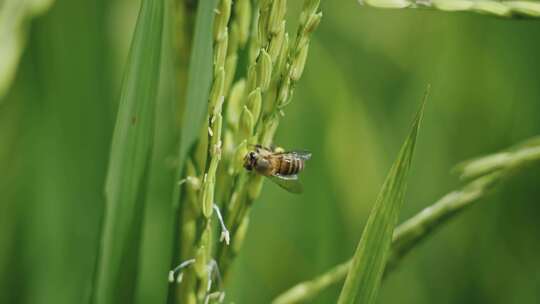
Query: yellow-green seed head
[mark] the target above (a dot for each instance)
(234, 106)
(223, 12)
(255, 44)
(310, 7)
(234, 39)
(220, 53)
(239, 155)
(201, 257)
(254, 103)
(243, 18)
(262, 32)
(215, 142)
(217, 109)
(276, 43)
(264, 70)
(284, 91)
(230, 70)
(297, 67)
(269, 130)
(303, 40)
(277, 14)
(283, 55)
(217, 90)
(265, 4)
(252, 78)
(192, 182)
(313, 22)
(246, 123)
(228, 144)
(189, 230)
(208, 196)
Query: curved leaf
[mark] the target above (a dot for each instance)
(367, 268)
(129, 161)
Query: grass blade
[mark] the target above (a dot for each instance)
(155, 250)
(196, 107)
(199, 79)
(363, 280)
(129, 160)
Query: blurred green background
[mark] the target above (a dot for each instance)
(365, 77)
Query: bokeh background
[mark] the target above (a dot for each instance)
(364, 79)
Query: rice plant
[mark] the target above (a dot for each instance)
(135, 188)
(488, 171)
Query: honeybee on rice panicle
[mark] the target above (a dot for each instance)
(281, 167)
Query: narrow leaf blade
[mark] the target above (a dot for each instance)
(155, 250)
(130, 153)
(364, 277)
(199, 78)
(196, 106)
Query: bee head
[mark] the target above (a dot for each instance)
(250, 160)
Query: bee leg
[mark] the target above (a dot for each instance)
(225, 235)
(287, 177)
(177, 271)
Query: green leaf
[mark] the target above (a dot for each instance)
(155, 250)
(129, 160)
(199, 80)
(364, 277)
(15, 15)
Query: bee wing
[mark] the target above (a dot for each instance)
(289, 183)
(302, 154)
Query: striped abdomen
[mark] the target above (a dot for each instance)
(290, 165)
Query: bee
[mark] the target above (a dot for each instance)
(281, 167)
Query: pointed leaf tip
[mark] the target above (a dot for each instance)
(363, 280)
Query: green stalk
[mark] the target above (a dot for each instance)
(206, 199)
(271, 76)
(235, 96)
(493, 168)
(184, 199)
(503, 9)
